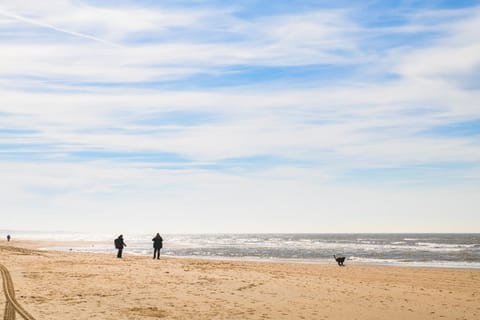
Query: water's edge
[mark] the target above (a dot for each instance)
(412, 250)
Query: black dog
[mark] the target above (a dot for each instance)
(339, 260)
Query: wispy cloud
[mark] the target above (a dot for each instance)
(179, 50)
(101, 104)
(52, 27)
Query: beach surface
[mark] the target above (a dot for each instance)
(68, 285)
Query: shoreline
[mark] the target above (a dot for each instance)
(51, 245)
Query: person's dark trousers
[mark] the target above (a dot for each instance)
(156, 253)
(119, 254)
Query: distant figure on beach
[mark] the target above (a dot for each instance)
(340, 260)
(8, 237)
(119, 244)
(157, 245)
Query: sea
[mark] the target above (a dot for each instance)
(447, 250)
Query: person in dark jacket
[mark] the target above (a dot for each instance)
(119, 244)
(157, 245)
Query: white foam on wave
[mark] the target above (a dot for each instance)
(430, 264)
(210, 241)
(445, 245)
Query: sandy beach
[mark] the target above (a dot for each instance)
(66, 285)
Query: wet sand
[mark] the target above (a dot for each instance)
(67, 285)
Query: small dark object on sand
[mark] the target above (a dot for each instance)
(339, 260)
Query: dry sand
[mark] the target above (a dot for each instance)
(65, 285)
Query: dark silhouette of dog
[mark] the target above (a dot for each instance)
(340, 260)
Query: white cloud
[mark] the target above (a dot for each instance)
(113, 24)
(327, 129)
(352, 122)
(105, 196)
(274, 41)
(457, 53)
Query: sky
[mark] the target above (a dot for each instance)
(240, 116)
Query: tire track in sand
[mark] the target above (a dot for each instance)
(12, 306)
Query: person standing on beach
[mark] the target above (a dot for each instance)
(157, 245)
(119, 244)
(8, 237)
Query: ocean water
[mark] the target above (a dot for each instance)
(433, 250)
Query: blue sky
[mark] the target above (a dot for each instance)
(249, 116)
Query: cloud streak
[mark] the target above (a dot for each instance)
(51, 27)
